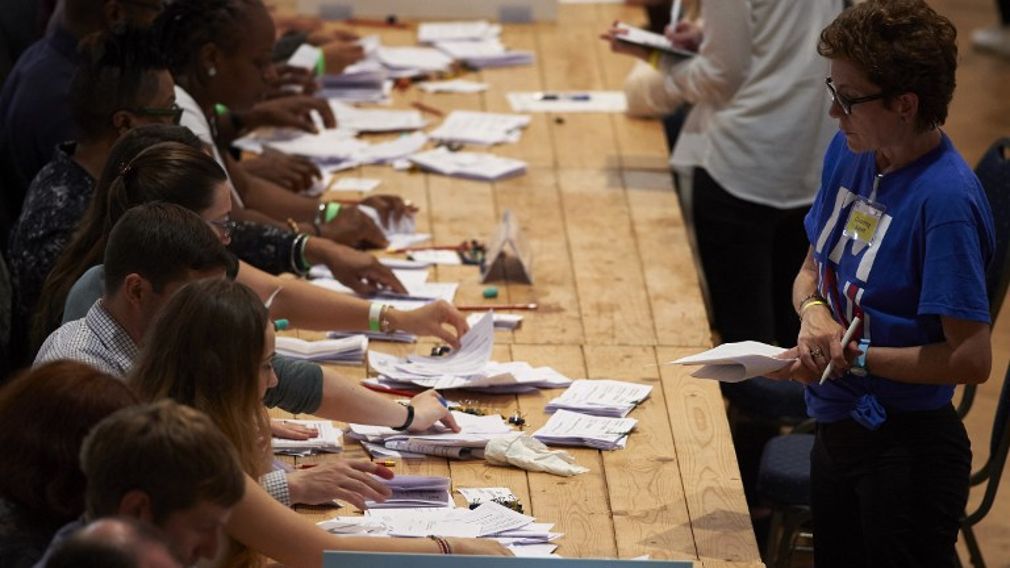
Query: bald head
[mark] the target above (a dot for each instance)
(116, 542)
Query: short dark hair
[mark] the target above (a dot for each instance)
(173, 453)
(903, 46)
(45, 414)
(161, 242)
(184, 26)
(116, 72)
(110, 542)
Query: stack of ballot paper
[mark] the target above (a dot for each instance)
(325, 147)
(501, 321)
(567, 428)
(478, 495)
(470, 165)
(328, 439)
(453, 86)
(600, 397)
(475, 432)
(415, 491)
(489, 520)
(470, 367)
(366, 81)
(347, 350)
(735, 362)
(372, 120)
(485, 53)
(430, 32)
(412, 61)
(485, 128)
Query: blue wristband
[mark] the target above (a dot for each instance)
(859, 365)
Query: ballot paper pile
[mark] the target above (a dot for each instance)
(484, 128)
(600, 397)
(470, 367)
(476, 43)
(349, 349)
(489, 520)
(329, 439)
(470, 165)
(414, 491)
(475, 433)
(566, 428)
(420, 292)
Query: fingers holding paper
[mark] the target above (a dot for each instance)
(431, 320)
(288, 431)
(353, 481)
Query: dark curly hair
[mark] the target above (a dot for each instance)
(903, 46)
(187, 25)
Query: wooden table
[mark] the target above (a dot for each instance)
(618, 294)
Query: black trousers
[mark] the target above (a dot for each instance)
(750, 255)
(891, 497)
(1004, 11)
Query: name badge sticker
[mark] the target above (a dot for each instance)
(864, 218)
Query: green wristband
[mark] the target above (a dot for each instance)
(220, 109)
(321, 65)
(332, 210)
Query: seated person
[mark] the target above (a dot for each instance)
(44, 416)
(117, 323)
(225, 331)
(164, 464)
(115, 542)
(220, 53)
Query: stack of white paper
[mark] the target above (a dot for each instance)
(475, 433)
(567, 428)
(485, 128)
(328, 439)
(392, 150)
(347, 350)
(415, 491)
(395, 336)
(501, 321)
(735, 362)
(433, 256)
(651, 40)
(430, 32)
(471, 165)
(409, 61)
(478, 495)
(306, 57)
(326, 146)
(453, 86)
(366, 81)
(600, 397)
(485, 53)
(376, 120)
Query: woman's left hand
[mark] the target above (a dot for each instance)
(430, 320)
(617, 46)
(293, 173)
(288, 431)
(391, 208)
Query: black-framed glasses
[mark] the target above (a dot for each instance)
(226, 226)
(845, 103)
(174, 112)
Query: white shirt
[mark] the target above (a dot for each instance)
(760, 123)
(194, 119)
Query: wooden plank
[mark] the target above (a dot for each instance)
(644, 482)
(578, 505)
(719, 516)
(608, 273)
(671, 276)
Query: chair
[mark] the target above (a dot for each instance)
(780, 480)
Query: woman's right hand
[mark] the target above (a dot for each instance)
(820, 341)
(685, 35)
(477, 547)
(354, 229)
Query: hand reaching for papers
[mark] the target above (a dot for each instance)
(288, 431)
(430, 320)
(293, 173)
(429, 409)
(391, 208)
(359, 271)
(353, 481)
(355, 229)
(477, 547)
(294, 111)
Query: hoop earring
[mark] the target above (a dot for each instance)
(212, 72)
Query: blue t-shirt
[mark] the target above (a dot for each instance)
(928, 259)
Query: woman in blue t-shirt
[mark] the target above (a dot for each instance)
(901, 234)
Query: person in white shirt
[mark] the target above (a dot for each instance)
(751, 148)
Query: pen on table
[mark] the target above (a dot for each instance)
(389, 22)
(563, 97)
(426, 108)
(480, 307)
(845, 341)
(421, 247)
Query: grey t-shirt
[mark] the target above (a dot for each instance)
(299, 383)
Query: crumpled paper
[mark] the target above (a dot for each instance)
(530, 454)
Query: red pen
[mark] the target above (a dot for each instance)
(426, 108)
(307, 465)
(389, 390)
(429, 247)
(483, 307)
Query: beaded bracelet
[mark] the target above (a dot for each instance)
(443, 545)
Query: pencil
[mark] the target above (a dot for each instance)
(845, 341)
(426, 108)
(482, 307)
(422, 247)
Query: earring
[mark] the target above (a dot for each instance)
(212, 72)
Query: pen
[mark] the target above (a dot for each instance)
(426, 108)
(429, 247)
(479, 307)
(845, 341)
(563, 97)
(675, 12)
(306, 465)
(388, 390)
(389, 22)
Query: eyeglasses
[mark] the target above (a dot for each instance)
(174, 112)
(846, 103)
(226, 226)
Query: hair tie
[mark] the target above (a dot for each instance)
(125, 169)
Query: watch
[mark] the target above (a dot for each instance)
(859, 365)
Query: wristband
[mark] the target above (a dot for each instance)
(408, 422)
(654, 58)
(385, 326)
(305, 265)
(331, 212)
(810, 303)
(443, 545)
(374, 315)
(859, 365)
(321, 65)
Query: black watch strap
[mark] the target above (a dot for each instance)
(410, 418)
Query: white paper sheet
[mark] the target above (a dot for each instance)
(735, 362)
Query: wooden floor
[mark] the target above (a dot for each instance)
(980, 113)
